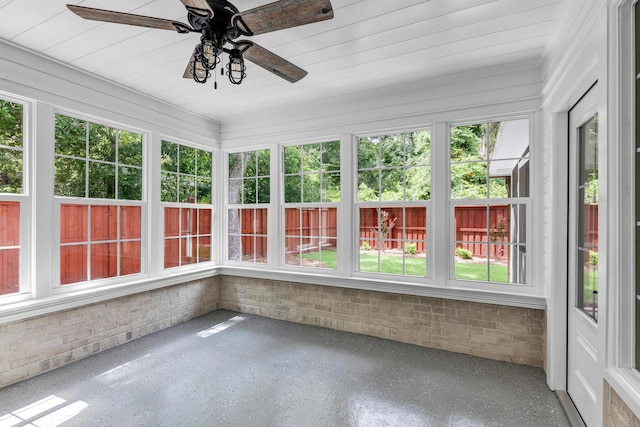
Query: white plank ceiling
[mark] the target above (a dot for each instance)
(370, 44)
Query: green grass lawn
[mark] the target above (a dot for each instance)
(392, 264)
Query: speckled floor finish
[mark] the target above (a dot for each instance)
(231, 369)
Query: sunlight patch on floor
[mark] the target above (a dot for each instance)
(38, 408)
(220, 327)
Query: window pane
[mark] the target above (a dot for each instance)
(73, 223)
(264, 163)
(169, 187)
(250, 164)
(71, 136)
(9, 257)
(418, 148)
(331, 156)
(204, 191)
(292, 189)
(129, 183)
(169, 155)
(73, 264)
(204, 163)
(187, 190)
(392, 184)
(10, 124)
(171, 222)
(331, 187)
(235, 191)
(392, 151)
(104, 260)
(467, 143)
(130, 219)
(499, 187)
(130, 148)
(469, 181)
(129, 258)
(104, 223)
(10, 271)
(264, 190)
(102, 181)
(418, 186)
(368, 186)
(465, 269)
(368, 153)
(187, 160)
(171, 253)
(308, 233)
(102, 143)
(10, 171)
(311, 188)
(204, 221)
(311, 157)
(249, 191)
(204, 248)
(70, 178)
(292, 160)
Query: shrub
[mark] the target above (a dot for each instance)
(464, 253)
(593, 258)
(410, 248)
(365, 247)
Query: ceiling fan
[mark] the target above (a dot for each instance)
(220, 23)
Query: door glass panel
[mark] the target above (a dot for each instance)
(588, 219)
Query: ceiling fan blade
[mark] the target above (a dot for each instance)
(122, 18)
(282, 14)
(272, 62)
(198, 4)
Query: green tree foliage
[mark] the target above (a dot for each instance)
(10, 147)
(312, 173)
(112, 158)
(394, 167)
(471, 148)
(186, 174)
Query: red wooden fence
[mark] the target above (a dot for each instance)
(411, 225)
(187, 236)
(471, 230)
(74, 235)
(309, 229)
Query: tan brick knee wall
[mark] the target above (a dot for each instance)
(486, 330)
(33, 346)
(619, 414)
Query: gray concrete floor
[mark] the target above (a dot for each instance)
(231, 369)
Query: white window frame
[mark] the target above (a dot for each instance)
(56, 286)
(163, 205)
(25, 201)
(255, 206)
(393, 203)
(282, 262)
(526, 201)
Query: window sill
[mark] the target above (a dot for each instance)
(626, 382)
(37, 307)
(393, 286)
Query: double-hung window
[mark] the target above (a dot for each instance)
(186, 194)
(489, 196)
(311, 182)
(249, 197)
(99, 193)
(393, 196)
(12, 196)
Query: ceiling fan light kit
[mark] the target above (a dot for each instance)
(220, 23)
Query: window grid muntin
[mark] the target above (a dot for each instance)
(322, 173)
